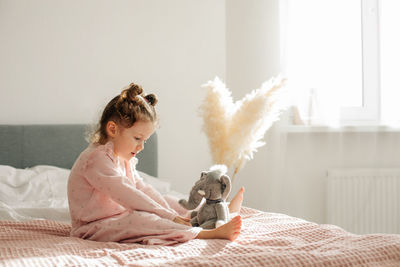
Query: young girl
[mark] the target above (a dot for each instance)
(109, 201)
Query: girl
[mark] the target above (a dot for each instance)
(108, 201)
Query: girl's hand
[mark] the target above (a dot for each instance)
(182, 220)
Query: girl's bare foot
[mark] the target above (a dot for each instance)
(229, 231)
(236, 203)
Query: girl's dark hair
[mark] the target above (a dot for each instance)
(125, 109)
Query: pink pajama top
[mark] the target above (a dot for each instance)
(109, 201)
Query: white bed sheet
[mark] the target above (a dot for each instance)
(40, 192)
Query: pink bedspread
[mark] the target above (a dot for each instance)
(267, 239)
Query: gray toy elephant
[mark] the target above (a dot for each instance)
(214, 185)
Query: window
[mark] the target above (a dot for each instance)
(335, 53)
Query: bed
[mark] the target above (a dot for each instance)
(34, 220)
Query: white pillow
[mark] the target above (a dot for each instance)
(34, 193)
(37, 184)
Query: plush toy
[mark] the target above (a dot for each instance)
(214, 185)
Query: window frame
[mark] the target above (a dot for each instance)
(369, 113)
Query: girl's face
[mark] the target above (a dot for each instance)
(129, 141)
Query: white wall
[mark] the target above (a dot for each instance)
(252, 57)
(308, 156)
(252, 44)
(62, 61)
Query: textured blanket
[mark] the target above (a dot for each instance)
(267, 239)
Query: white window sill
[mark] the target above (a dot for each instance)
(339, 129)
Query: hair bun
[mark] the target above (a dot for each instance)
(152, 99)
(131, 92)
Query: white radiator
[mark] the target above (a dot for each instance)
(364, 201)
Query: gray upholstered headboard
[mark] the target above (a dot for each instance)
(23, 146)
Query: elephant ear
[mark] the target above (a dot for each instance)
(226, 182)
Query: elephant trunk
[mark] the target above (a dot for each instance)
(194, 198)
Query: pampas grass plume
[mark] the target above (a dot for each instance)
(235, 130)
(216, 111)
